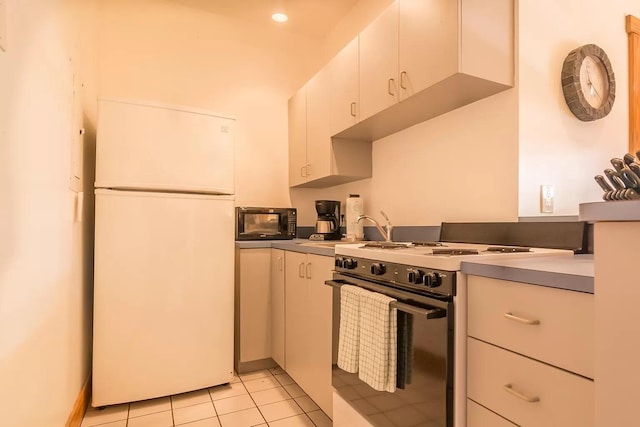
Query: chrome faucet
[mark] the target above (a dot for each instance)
(386, 234)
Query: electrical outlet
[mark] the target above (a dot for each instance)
(547, 193)
(3, 25)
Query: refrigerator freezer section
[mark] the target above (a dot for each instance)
(163, 313)
(156, 147)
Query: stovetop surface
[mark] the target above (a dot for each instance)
(439, 255)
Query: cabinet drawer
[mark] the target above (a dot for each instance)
(561, 323)
(496, 375)
(479, 416)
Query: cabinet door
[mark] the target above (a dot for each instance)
(277, 307)
(379, 63)
(254, 309)
(318, 137)
(479, 416)
(344, 95)
(296, 328)
(427, 43)
(298, 137)
(320, 309)
(509, 384)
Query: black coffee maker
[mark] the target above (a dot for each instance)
(328, 222)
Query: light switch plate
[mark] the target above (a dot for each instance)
(3, 25)
(547, 193)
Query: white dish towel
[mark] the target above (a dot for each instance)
(349, 336)
(377, 341)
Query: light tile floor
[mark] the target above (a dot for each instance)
(262, 398)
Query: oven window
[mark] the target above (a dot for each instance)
(261, 223)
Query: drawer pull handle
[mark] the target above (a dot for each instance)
(522, 319)
(519, 395)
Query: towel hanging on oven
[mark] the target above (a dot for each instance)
(378, 342)
(349, 336)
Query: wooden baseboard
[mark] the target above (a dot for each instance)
(80, 405)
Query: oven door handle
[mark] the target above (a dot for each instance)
(429, 313)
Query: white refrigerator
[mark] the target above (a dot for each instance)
(164, 251)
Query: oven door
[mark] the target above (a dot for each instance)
(424, 393)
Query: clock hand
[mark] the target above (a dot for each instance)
(593, 89)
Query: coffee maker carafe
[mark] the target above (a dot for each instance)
(328, 223)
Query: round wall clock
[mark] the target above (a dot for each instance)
(588, 82)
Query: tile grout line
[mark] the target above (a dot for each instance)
(286, 391)
(173, 420)
(253, 400)
(268, 374)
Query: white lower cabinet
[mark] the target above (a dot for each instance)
(529, 355)
(308, 315)
(479, 416)
(525, 391)
(252, 309)
(277, 307)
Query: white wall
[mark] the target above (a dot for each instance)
(555, 147)
(45, 256)
(461, 166)
(164, 51)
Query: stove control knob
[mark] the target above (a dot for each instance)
(378, 269)
(339, 262)
(349, 263)
(415, 276)
(432, 280)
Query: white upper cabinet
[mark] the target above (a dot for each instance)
(318, 136)
(298, 138)
(315, 160)
(345, 98)
(427, 43)
(423, 58)
(379, 63)
(415, 61)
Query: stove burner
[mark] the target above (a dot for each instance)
(384, 245)
(507, 249)
(455, 252)
(429, 244)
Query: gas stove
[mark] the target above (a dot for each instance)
(437, 255)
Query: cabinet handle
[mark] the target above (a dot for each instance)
(522, 319)
(353, 109)
(308, 270)
(390, 85)
(303, 173)
(402, 76)
(280, 264)
(300, 270)
(509, 388)
(308, 169)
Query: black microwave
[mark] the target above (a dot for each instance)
(265, 223)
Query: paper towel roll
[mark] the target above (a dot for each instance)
(354, 208)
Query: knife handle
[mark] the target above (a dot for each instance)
(602, 183)
(615, 179)
(628, 159)
(635, 167)
(630, 178)
(618, 164)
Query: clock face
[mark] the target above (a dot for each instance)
(588, 82)
(594, 81)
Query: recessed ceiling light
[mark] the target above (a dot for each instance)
(279, 17)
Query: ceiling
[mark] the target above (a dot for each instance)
(313, 18)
